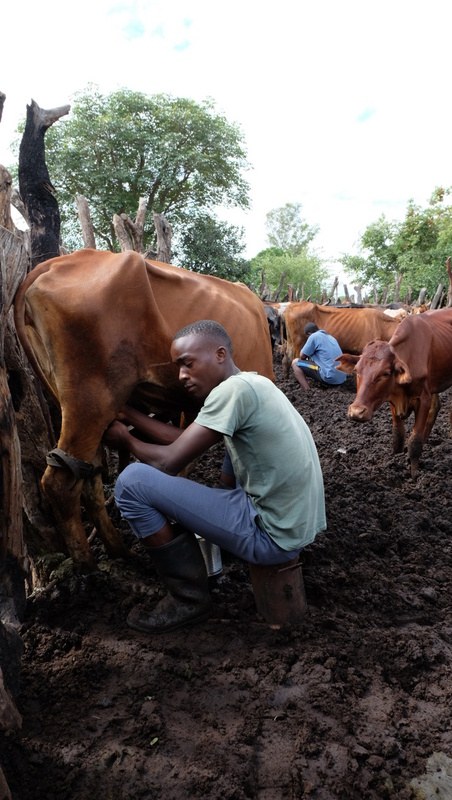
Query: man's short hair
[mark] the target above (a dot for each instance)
(208, 328)
(310, 327)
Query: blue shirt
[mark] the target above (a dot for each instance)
(323, 349)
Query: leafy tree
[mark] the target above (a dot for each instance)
(207, 245)
(287, 230)
(414, 250)
(304, 271)
(377, 264)
(425, 241)
(114, 149)
(289, 262)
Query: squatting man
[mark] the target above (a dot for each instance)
(270, 502)
(318, 359)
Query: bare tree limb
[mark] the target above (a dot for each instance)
(122, 233)
(449, 273)
(164, 235)
(85, 222)
(35, 186)
(5, 199)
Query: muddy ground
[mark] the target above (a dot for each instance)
(354, 704)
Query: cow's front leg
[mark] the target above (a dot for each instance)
(63, 493)
(415, 446)
(94, 498)
(398, 432)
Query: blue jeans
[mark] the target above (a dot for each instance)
(147, 498)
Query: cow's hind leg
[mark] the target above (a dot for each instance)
(435, 406)
(415, 446)
(398, 432)
(425, 417)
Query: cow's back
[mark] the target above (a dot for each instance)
(352, 327)
(184, 297)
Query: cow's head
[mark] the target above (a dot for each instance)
(380, 376)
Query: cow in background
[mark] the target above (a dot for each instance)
(351, 327)
(97, 329)
(409, 372)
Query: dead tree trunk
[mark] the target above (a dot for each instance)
(358, 289)
(85, 221)
(422, 297)
(398, 283)
(130, 234)
(6, 186)
(437, 297)
(13, 555)
(334, 287)
(13, 562)
(35, 427)
(35, 186)
(279, 288)
(449, 291)
(26, 437)
(164, 235)
(264, 291)
(11, 531)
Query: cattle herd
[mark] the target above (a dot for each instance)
(97, 327)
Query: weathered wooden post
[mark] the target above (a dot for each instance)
(13, 556)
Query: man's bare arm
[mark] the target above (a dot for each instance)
(154, 430)
(170, 458)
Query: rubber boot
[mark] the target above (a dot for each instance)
(181, 566)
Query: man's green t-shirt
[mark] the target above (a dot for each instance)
(273, 454)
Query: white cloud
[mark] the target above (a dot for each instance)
(344, 106)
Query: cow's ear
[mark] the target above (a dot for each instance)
(402, 372)
(346, 362)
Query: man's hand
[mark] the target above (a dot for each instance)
(180, 447)
(117, 435)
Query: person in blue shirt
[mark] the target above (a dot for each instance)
(317, 359)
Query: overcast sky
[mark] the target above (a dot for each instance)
(345, 105)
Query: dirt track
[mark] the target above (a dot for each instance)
(349, 706)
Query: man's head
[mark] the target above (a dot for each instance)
(203, 353)
(309, 328)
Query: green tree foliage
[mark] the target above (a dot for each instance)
(287, 230)
(414, 250)
(207, 245)
(304, 272)
(377, 264)
(289, 263)
(114, 149)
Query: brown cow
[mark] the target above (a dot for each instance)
(97, 329)
(409, 372)
(351, 327)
